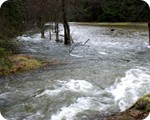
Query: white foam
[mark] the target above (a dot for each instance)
(82, 103)
(103, 53)
(129, 88)
(49, 92)
(73, 55)
(33, 38)
(78, 86)
(24, 38)
(67, 113)
(28, 38)
(82, 87)
(126, 91)
(147, 44)
(1, 117)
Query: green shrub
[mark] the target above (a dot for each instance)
(9, 44)
(4, 58)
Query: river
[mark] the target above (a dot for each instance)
(103, 76)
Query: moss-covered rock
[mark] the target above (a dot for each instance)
(138, 111)
(143, 103)
(131, 114)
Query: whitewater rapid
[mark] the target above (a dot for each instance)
(123, 93)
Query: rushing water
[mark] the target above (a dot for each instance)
(105, 75)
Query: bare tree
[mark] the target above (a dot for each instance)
(38, 11)
(67, 37)
(149, 30)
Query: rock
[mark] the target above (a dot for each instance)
(112, 30)
(143, 103)
(148, 117)
(138, 111)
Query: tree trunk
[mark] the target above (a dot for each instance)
(57, 31)
(42, 32)
(149, 30)
(52, 27)
(67, 40)
(42, 29)
(50, 35)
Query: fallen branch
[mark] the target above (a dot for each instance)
(87, 41)
(78, 44)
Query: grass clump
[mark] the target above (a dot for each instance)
(20, 63)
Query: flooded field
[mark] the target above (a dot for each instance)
(106, 70)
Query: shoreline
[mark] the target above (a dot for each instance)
(24, 62)
(138, 111)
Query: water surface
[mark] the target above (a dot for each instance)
(105, 75)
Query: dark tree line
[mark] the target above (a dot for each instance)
(17, 16)
(115, 10)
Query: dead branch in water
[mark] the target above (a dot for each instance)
(77, 45)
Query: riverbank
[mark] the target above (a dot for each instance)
(138, 111)
(19, 63)
(138, 24)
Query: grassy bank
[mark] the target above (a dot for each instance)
(137, 26)
(19, 63)
(113, 23)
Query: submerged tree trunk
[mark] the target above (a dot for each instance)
(149, 30)
(42, 32)
(50, 35)
(57, 31)
(41, 26)
(67, 40)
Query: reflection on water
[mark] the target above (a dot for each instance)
(105, 75)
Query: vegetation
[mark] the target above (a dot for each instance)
(138, 111)
(143, 103)
(4, 61)
(20, 63)
(13, 64)
(17, 16)
(115, 11)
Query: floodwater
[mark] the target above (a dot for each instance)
(105, 71)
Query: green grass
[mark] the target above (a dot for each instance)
(124, 25)
(112, 24)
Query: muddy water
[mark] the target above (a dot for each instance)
(105, 75)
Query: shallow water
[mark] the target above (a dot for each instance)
(105, 75)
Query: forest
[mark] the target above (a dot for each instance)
(17, 16)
